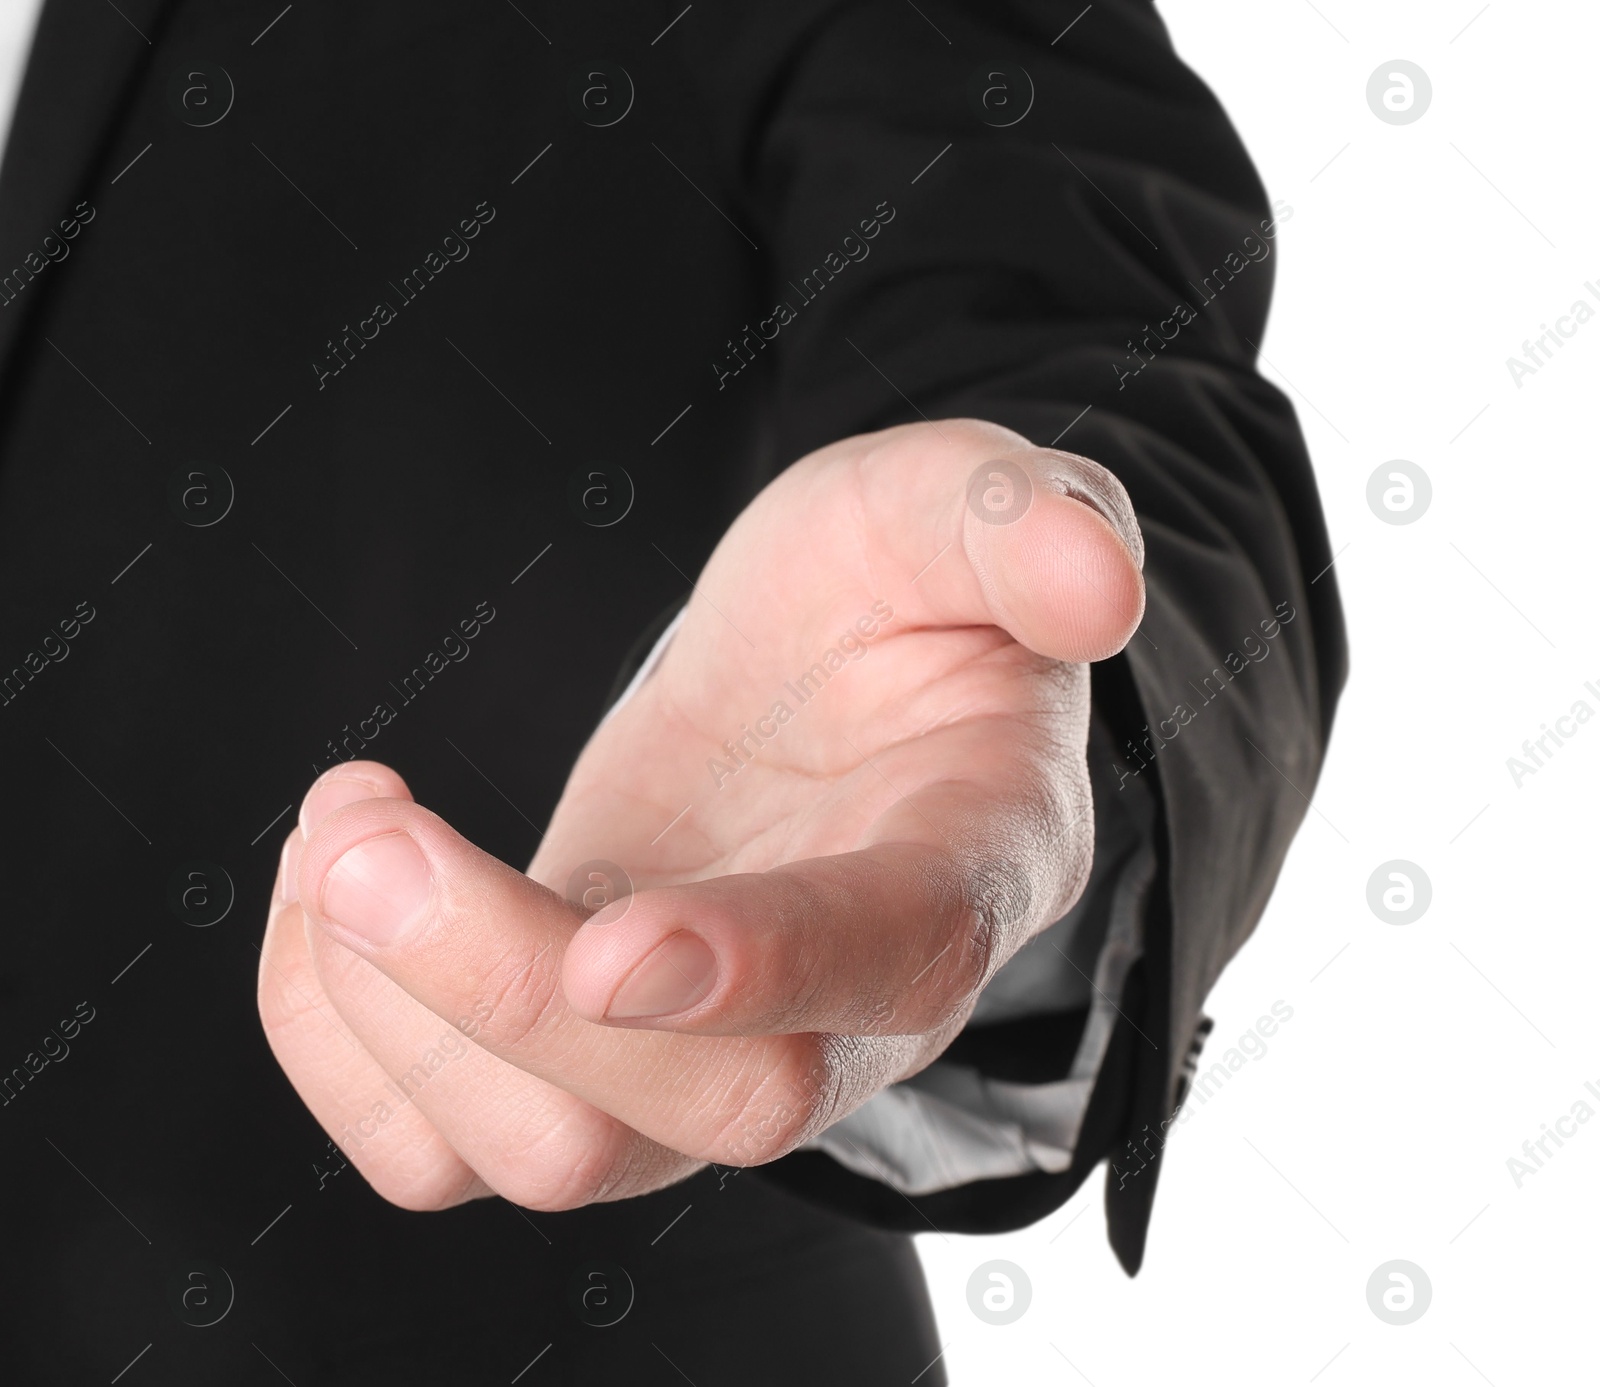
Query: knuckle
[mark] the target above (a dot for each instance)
(1000, 901)
(551, 1191)
(592, 1179)
(975, 955)
(772, 1113)
(580, 1159)
(518, 997)
(419, 1186)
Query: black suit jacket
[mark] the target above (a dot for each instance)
(316, 335)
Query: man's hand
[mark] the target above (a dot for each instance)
(852, 789)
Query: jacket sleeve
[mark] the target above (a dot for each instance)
(1063, 235)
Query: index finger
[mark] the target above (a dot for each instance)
(468, 936)
(894, 938)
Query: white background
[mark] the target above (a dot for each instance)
(1379, 1121)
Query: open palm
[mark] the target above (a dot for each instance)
(882, 667)
(782, 870)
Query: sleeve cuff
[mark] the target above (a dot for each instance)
(952, 1124)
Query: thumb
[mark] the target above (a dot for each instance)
(972, 525)
(1053, 548)
(960, 523)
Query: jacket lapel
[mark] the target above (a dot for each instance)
(86, 58)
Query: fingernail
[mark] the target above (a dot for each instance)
(1096, 488)
(679, 973)
(379, 889)
(332, 793)
(289, 868)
